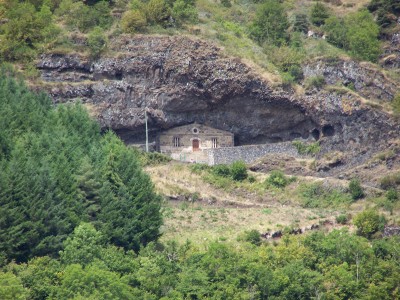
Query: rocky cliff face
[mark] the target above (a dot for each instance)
(182, 80)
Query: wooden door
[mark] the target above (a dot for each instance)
(195, 145)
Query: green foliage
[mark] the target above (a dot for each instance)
(270, 24)
(25, 31)
(79, 15)
(301, 23)
(198, 168)
(355, 189)
(342, 219)
(133, 21)
(11, 287)
(317, 195)
(319, 13)
(278, 179)
(386, 12)
(226, 3)
(307, 149)
(362, 36)
(317, 82)
(356, 33)
(238, 171)
(253, 237)
(392, 195)
(83, 246)
(368, 222)
(92, 282)
(97, 42)
(157, 12)
(336, 265)
(184, 12)
(153, 158)
(57, 171)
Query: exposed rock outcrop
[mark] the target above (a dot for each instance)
(182, 80)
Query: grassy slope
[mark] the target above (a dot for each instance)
(224, 213)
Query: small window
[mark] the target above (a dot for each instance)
(214, 143)
(176, 141)
(195, 130)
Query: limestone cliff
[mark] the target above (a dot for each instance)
(183, 80)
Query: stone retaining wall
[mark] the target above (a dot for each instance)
(249, 153)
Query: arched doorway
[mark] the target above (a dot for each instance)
(195, 145)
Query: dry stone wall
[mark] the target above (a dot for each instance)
(249, 153)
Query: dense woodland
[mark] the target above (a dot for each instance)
(80, 219)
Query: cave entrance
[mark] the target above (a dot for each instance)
(315, 133)
(328, 130)
(195, 145)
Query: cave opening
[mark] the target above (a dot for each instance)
(118, 76)
(315, 134)
(328, 130)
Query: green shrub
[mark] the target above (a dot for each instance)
(84, 17)
(133, 21)
(319, 13)
(25, 31)
(355, 189)
(226, 3)
(183, 12)
(307, 149)
(270, 24)
(301, 23)
(317, 82)
(198, 168)
(368, 222)
(342, 219)
(157, 12)
(315, 195)
(253, 237)
(392, 195)
(238, 171)
(153, 158)
(97, 42)
(277, 179)
(221, 170)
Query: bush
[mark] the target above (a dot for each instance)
(315, 82)
(392, 195)
(253, 237)
(198, 168)
(355, 189)
(153, 158)
(157, 12)
(315, 195)
(183, 12)
(221, 170)
(277, 179)
(319, 13)
(270, 24)
(97, 42)
(307, 149)
(342, 219)
(368, 222)
(84, 17)
(301, 23)
(238, 171)
(133, 21)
